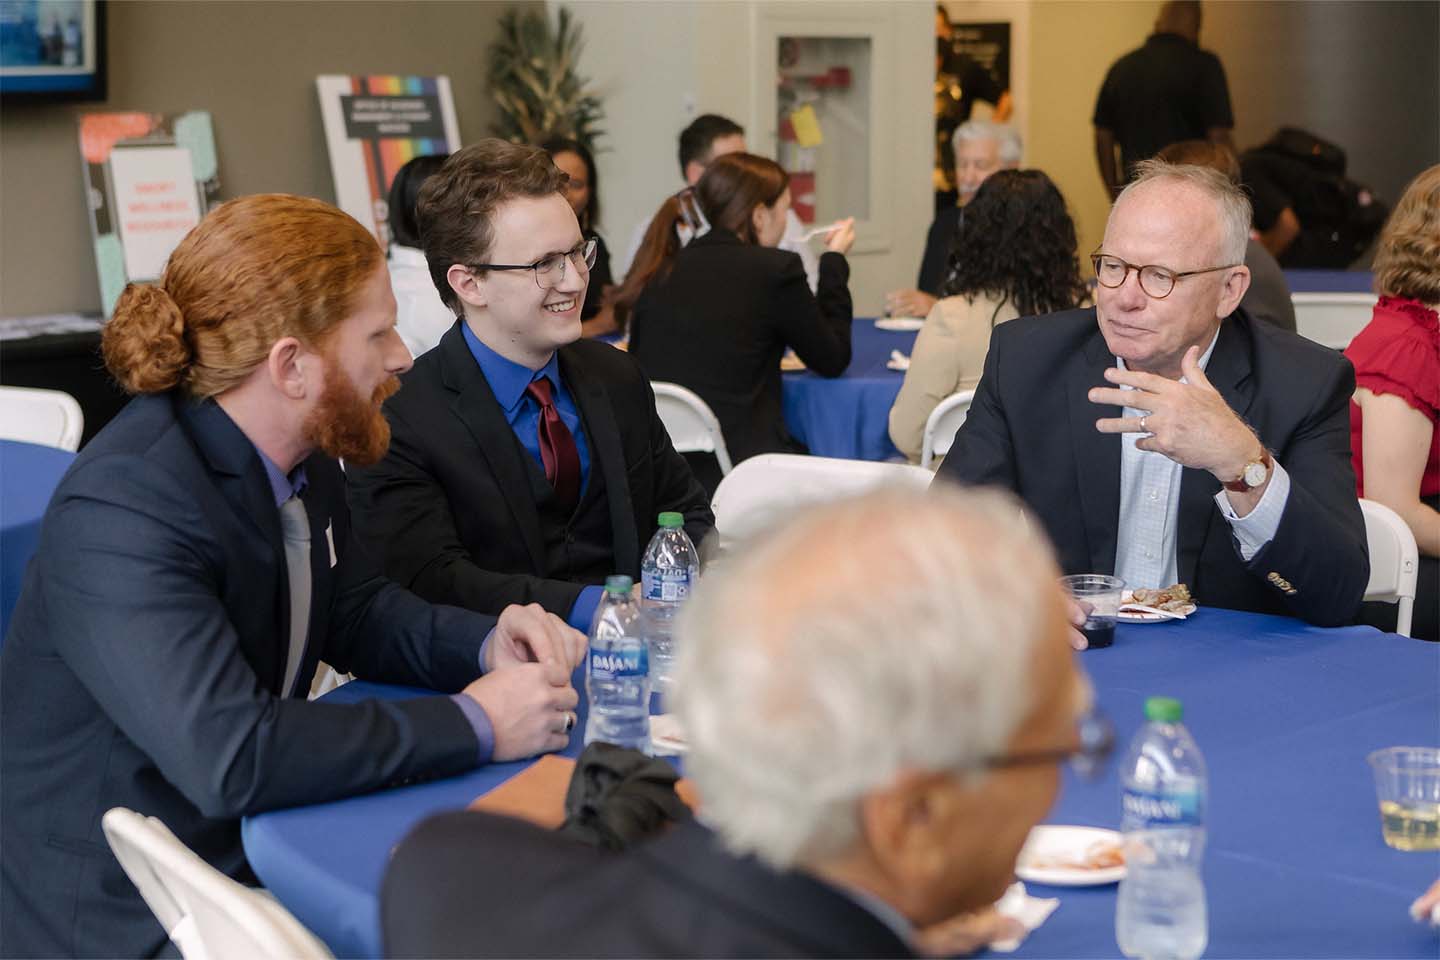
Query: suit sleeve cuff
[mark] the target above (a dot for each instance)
(1258, 527)
(583, 610)
(479, 721)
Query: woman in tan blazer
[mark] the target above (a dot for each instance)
(1013, 256)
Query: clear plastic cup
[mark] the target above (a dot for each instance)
(1099, 595)
(1407, 784)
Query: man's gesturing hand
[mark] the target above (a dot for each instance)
(528, 705)
(1188, 422)
(530, 635)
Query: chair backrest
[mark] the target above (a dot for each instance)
(942, 425)
(206, 914)
(48, 417)
(690, 422)
(763, 490)
(1394, 561)
(1332, 318)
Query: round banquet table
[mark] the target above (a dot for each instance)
(1329, 281)
(849, 416)
(29, 474)
(1285, 714)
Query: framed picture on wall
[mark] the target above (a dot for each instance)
(52, 50)
(374, 125)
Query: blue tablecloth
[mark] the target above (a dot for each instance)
(1284, 713)
(1329, 281)
(849, 416)
(29, 474)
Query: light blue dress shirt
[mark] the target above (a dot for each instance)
(1145, 543)
(508, 381)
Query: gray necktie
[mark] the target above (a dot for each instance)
(296, 526)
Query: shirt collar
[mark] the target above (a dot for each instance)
(507, 378)
(1204, 358)
(283, 487)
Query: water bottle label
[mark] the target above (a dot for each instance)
(628, 663)
(672, 586)
(1161, 809)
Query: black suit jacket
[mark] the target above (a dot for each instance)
(449, 508)
(478, 885)
(143, 667)
(1031, 429)
(719, 321)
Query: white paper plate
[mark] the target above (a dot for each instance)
(1048, 845)
(1140, 616)
(900, 324)
(666, 737)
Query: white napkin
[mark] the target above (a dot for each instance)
(898, 361)
(1030, 911)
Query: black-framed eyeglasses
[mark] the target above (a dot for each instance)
(550, 270)
(1156, 281)
(1087, 758)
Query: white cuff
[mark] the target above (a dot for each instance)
(1258, 527)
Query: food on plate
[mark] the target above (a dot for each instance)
(1173, 599)
(1100, 855)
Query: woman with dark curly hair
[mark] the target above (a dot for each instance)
(1014, 256)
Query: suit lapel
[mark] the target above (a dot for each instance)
(606, 451)
(1229, 372)
(1097, 455)
(477, 408)
(241, 479)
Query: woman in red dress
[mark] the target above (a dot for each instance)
(1394, 437)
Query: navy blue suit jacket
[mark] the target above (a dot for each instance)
(144, 663)
(1031, 430)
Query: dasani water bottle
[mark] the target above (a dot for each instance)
(617, 670)
(668, 572)
(1160, 913)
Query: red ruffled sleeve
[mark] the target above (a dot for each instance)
(1398, 353)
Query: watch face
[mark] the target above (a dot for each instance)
(1255, 474)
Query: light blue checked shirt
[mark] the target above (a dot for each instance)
(1145, 547)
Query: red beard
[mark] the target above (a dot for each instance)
(347, 425)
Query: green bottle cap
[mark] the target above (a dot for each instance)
(1163, 710)
(617, 584)
(670, 520)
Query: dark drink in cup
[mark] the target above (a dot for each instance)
(1099, 631)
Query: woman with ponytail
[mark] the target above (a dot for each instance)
(717, 315)
(194, 569)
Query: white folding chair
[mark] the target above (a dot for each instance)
(1394, 561)
(1332, 318)
(206, 914)
(942, 425)
(764, 490)
(50, 418)
(690, 422)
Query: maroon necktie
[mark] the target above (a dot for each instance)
(557, 447)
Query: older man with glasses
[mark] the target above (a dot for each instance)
(1163, 435)
(525, 464)
(877, 701)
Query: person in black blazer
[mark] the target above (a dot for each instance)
(1267, 416)
(832, 821)
(468, 506)
(166, 637)
(717, 315)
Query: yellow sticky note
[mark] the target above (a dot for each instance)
(807, 127)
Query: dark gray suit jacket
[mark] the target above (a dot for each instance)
(1031, 430)
(143, 669)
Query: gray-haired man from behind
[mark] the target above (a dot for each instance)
(875, 698)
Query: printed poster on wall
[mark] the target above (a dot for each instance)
(149, 178)
(374, 125)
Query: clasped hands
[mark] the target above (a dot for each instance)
(526, 689)
(1188, 422)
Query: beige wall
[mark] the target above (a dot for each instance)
(253, 66)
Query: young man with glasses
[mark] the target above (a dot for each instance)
(877, 701)
(1163, 435)
(525, 464)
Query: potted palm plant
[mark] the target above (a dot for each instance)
(534, 80)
